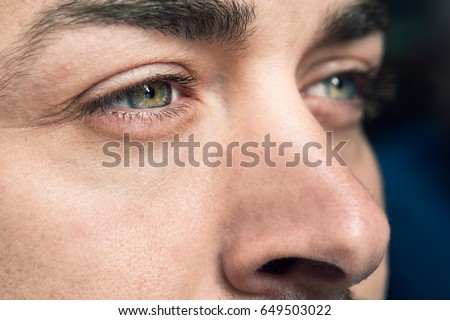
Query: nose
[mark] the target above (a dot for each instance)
(303, 231)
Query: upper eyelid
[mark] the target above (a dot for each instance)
(329, 68)
(182, 80)
(130, 78)
(144, 73)
(174, 79)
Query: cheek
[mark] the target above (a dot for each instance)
(62, 236)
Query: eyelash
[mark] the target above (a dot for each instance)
(370, 86)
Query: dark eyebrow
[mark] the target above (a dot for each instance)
(195, 20)
(353, 22)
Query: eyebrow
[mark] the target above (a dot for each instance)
(210, 20)
(195, 20)
(353, 22)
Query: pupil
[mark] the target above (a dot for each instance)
(338, 83)
(149, 92)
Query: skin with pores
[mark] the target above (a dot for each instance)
(72, 229)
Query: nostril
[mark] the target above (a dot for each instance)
(305, 267)
(279, 266)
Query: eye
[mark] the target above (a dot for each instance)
(339, 100)
(151, 96)
(155, 107)
(147, 95)
(342, 99)
(340, 87)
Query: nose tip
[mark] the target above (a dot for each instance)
(310, 272)
(316, 249)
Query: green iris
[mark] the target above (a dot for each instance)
(341, 87)
(150, 95)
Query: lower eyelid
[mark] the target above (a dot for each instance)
(334, 113)
(142, 125)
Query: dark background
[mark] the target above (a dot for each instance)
(411, 137)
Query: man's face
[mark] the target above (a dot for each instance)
(77, 75)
